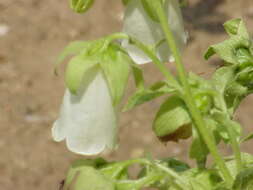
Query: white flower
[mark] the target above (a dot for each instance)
(88, 120)
(138, 24)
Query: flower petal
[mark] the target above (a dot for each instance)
(138, 24)
(88, 120)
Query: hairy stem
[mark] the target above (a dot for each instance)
(189, 100)
(163, 69)
(149, 52)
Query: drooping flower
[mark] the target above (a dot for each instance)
(88, 115)
(139, 24)
(88, 120)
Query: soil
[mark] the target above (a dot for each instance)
(32, 33)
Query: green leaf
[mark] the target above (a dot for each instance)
(236, 27)
(172, 122)
(247, 138)
(223, 77)
(244, 180)
(234, 95)
(73, 48)
(244, 58)
(81, 6)
(247, 160)
(78, 166)
(144, 95)
(92, 179)
(239, 38)
(225, 122)
(76, 69)
(198, 149)
(226, 50)
(116, 67)
(203, 179)
(224, 81)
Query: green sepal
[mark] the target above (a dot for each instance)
(116, 67)
(125, 2)
(244, 180)
(172, 122)
(81, 6)
(112, 60)
(149, 7)
(73, 48)
(76, 69)
(143, 95)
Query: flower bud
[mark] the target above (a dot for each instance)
(172, 122)
(81, 6)
(203, 102)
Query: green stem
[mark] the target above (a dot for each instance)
(199, 122)
(232, 137)
(179, 180)
(157, 62)
(164, 70)
(181, 183)
(236, 148)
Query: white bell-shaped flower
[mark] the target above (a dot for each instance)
(138, 24)
(88, 120)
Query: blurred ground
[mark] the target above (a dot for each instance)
(32, 33)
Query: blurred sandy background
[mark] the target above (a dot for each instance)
(32, 33)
